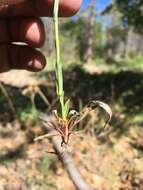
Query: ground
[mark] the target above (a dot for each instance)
(113, 161)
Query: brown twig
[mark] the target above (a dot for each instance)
(6, 95)
(68, 163)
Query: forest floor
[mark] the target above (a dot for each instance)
(111, 162)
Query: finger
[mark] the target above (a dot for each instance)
(41, 8)
(28, 30)
(20, 57)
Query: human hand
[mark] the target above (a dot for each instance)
(21, 23)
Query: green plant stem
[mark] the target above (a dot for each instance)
(58, 66)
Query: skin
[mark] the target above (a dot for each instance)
(21, 23)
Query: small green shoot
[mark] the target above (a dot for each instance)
(65, 122)
(58, 66)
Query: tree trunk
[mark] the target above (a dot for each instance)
(90, 32)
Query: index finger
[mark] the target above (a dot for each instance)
(37, 7)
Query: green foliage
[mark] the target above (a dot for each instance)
(135, 61)
(7, 162)
(28, 113)
(117, 32)
(52, 185)
(46, 164)
(2, 99)
(76, 30)
(138, 118)
(132, 13)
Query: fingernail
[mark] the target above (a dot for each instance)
(36, 65)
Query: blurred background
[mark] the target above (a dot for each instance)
(102, 56)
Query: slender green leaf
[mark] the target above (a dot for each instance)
(66, 108)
